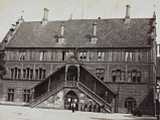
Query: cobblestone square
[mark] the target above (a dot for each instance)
(26, 113)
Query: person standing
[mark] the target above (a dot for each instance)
(73, 106)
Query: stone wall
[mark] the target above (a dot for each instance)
(139, 92)
(18, 87)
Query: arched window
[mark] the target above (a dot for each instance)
(130, 104)
(118, 75)
(134, 76)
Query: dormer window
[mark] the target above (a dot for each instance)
(93, 38)
(94, 29)
(62, 30)
(60, 38)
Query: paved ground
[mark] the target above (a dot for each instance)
(26, 113)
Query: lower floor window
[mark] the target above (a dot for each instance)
(10, 94)
(26, 95)
(100, 73)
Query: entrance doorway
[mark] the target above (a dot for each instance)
(69, 98)
(72, 73)
(130, 104)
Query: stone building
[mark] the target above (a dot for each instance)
(100, 64)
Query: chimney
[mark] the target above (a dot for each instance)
(154, 15)
(45, 16)
(62, 30)
(94, 29)
(127, 11)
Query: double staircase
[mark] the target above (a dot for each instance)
(87, 84)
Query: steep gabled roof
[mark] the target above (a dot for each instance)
(110, 33)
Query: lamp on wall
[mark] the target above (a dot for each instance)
(69, 100)
(75, 100)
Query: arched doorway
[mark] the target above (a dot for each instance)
(72, 73)
(130, 104)
(69, 98)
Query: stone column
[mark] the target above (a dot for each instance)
(115, 103)
(66, 70)
(34, 73)
(32, 94)
(126, 72)
(49, 84)
(78, 78)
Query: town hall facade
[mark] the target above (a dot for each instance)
(103, 65)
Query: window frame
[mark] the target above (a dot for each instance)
(11, 94)
(26, 95)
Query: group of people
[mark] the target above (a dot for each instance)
(91, 107)
(74, 106)
(86, 107)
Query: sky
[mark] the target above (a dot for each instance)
(32, 10)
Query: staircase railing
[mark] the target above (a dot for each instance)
(94, 96)
(71, 84)
(45, 96)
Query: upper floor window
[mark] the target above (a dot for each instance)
(42, 54)
(28, 73)
(40, 73)
(22, 55)
(83, 55)
(31, 74)
(118, 75)
(12, 73)
(128, 56)
(100, 73)
(100, 56)
(15, 73)
(67, 54)
(137, 56)
(24, 73)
